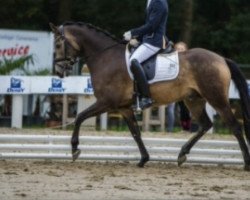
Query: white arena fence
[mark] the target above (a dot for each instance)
(104, 148)
(21, 86)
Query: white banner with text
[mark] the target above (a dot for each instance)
(15, 44)
(46, 85)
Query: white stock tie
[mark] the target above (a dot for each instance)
(148, 3)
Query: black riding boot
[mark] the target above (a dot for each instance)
(142, 84)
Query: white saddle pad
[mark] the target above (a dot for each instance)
(167, 67)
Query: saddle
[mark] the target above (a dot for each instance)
(149, 65)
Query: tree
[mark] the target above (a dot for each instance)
(64, 13)
(218, 25)
(186, 34)
(223, 26)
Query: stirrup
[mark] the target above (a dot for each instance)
(136, 107)
(142, 104)
(145, 103)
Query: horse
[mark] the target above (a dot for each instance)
(204, 77)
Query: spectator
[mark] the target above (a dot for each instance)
(180, 46)
(185, 117)
(170, 117)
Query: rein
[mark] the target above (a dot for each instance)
(103, 50)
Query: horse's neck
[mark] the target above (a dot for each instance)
(102, 59)
(98, 49)
(95, 43)
(95, 49)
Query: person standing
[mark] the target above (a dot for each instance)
(170, 117)
(185, 117)
(152, 38)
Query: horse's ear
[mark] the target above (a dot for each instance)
(54, 28)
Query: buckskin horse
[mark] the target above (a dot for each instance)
(204, 77)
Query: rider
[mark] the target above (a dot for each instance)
(152, 38)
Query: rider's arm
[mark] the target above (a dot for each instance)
(155, 17)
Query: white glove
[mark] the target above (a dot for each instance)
(127, 36)
(134, 42)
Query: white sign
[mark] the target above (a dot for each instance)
(55, 85)
(15, 44)
(46, 85)
(14, 85)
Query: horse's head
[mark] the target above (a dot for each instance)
(66, 50)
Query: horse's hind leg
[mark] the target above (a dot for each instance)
(131, 121)
(197, 108)
(234, 125)
(96, 109)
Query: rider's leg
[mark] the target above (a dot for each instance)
(142, 84)
(142, 53)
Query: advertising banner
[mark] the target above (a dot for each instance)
(46, 85)
(55, 85)
(15, 44)
(14, 85)
(67, 85)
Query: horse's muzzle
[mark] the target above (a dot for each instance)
(63, 69)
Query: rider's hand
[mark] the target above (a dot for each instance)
(127, 36)
(134, 42)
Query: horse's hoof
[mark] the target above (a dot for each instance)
(181, 160)
(140, 164)
(76, 154)
(247, 168)
(143, 162)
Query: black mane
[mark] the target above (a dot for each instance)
(91, 26)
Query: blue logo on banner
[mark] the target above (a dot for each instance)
(15, 85)
(89, 89)
(56, 85)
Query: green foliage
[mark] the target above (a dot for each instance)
(9, 65)
(23, 14)
(218, 25)
(115, 16)
(223, 26)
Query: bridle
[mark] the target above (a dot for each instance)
(70, 61)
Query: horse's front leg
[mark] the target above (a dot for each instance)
(131, 121)
(95, 109)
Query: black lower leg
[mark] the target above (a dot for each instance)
(243, 146)
(135, 131)
(93, 110)
(234, 125)
(205, 125)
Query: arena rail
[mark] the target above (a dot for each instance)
(104, 148)
(20, 86)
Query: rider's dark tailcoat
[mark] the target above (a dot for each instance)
(154, 29)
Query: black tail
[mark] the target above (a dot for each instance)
(241, 84)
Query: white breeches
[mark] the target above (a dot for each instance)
(143, 52)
